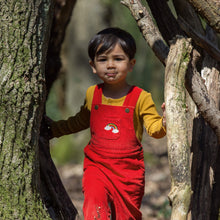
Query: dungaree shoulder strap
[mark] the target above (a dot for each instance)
(132, 96)
(130, 100)
(97, 96)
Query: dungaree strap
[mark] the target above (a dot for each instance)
(130, 100)
(97, 96)
(132, 96)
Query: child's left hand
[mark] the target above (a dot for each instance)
(164, 114)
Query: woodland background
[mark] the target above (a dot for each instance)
(68, 92)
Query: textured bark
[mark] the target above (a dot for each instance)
(149, 30)
(24, 37)
(209, 9)
(177, 141)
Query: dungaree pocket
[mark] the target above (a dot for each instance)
(110, 129)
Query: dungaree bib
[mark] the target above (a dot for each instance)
(113, 181)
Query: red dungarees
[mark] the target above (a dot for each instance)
(113, 181)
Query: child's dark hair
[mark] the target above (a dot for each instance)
(108, 38)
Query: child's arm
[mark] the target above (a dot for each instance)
(72, 125)
(75, 123)
(153, 122)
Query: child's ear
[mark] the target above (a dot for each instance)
(91, 63)
(132, 63)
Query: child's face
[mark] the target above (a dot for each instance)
(113, 66)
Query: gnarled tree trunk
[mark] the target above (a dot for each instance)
(25, 29)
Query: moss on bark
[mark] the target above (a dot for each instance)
(24, 32)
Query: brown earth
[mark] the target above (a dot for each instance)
(155, 205)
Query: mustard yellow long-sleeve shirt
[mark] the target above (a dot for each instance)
(145, 115)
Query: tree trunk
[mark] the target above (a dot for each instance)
(177, 141)
(24, 37)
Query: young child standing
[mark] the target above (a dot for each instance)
(114, 172)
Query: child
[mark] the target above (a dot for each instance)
(114, 172)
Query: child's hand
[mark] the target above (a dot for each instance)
(163, 107)
(49, 122)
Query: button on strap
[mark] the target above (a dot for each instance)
(127, 110)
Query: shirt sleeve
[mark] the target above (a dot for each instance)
(75, 123)
(153, 122)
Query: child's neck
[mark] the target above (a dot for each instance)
(115, 91)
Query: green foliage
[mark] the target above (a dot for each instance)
(68, 149)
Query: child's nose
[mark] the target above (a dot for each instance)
(110, 64)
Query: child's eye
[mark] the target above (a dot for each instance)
(119, 59)
(101, 59)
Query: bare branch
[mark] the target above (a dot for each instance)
(208, 9)
(185, 10)
(63, 11)
(199, 93)
(165, 19)
(149, 30)
(200, 40)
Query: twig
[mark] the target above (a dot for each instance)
(149, 30)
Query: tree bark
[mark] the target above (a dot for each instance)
(176, 119)
(24, 37)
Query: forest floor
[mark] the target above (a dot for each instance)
(155, 204)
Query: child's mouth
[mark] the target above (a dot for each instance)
(111, 74)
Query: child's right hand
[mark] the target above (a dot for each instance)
(163, 107)
(49, 122)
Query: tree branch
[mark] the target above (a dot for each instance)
(200, 40)
(166, 21)
(63, 11)
(208, 9)
(149, 30)
(199, 94)
(185, 10)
